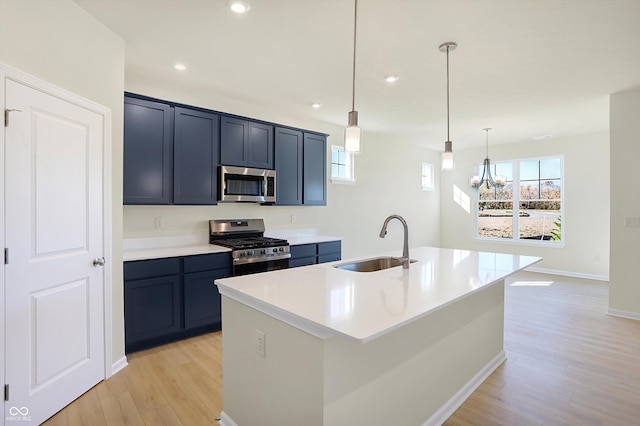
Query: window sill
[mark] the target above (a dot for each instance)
(509, 241)
(343, 181)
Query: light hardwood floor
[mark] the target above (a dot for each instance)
(568, 364)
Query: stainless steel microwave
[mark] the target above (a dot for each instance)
(242, 184)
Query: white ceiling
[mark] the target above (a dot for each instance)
(522, 67)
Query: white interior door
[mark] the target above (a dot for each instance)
(53, 231)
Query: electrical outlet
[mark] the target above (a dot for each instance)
(260, 343)
(158, 222)
(293, 218)
(632, 222)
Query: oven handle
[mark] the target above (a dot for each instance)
(244, 261)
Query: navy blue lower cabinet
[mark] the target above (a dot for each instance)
(152, 311)
(201, 300)
(171, 299)
(311, 254)
(329, 251)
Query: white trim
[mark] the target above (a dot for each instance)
(7, 72)
(225, 420)
(623, 314)
(449, 407)
(2, 236)
(569, 274)
(118, 365)
(342, 181)
(519, 242)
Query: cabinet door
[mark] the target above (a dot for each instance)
(196, 147)
(288, 162)
(233, 141)
(151, 310)
(314, 170)
(260, 146)
(202, 305)
(148, 152)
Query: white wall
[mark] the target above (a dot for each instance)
(387, 182)
(624, 290)
(57, 41)
(586, 208)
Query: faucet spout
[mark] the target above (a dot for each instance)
(405, 247)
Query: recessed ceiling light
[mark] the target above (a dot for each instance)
(542, 137)
(391, 78)
(239, 6)
(180, 67)
(316, 105)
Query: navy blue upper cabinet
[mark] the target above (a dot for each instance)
(245, 143)
(148, 152)
(288, 162)
(314, 170)
(196, 145)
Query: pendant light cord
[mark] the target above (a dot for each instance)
(353, 81)
(448, 136)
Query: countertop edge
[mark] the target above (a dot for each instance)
(309, 327)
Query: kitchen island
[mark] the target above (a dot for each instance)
(320, 345)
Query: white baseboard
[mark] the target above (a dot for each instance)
(623, 314)
(444, 412)
(569, 274)
(225, 420)
(119, 365)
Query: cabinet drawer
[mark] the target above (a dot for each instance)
(332, 257)
(304, 250)
(139, 269)
(207, 262)
(329, 247)
(302, 261)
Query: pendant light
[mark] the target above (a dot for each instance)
(487, 179)
(353, 133)
(447, 155)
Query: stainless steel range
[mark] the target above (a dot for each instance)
(251, 251)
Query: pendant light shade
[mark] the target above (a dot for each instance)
(447, 156)
(487, 179)
(353, 133)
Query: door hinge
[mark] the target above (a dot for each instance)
(6, 256)
(6, 392)
(6, 115)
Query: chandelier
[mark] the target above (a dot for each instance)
(487, 179)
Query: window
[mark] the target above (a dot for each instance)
(427, 177)
(533, 212)
(341, 165)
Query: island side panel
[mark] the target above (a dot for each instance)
(283, 388)
(406, 376)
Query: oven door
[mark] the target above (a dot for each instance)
(255, 267)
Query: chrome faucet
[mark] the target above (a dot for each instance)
(405, 248)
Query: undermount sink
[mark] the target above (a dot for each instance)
(372, 265)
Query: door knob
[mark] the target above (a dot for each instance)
(98, 261)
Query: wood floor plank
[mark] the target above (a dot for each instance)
(568, 363)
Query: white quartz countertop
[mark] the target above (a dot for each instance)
(361, 306)
(162, 247)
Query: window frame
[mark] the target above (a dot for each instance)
(340, 180)
(515, 239)
(432, 177)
